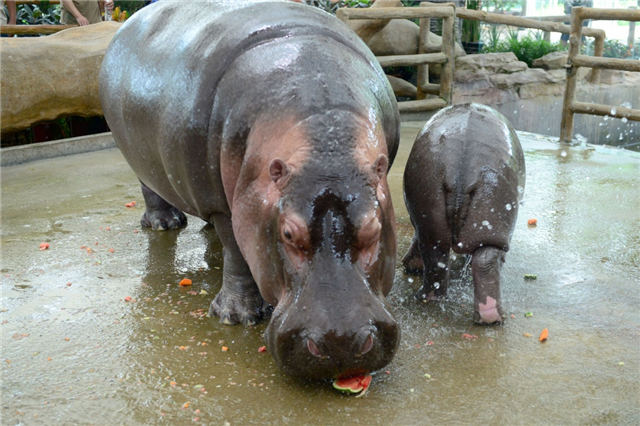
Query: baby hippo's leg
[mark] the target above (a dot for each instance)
(412, 261)
(435, 277)
(486, 265)
(160, 215)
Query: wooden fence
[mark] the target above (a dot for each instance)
(575, 61)
(446, 57)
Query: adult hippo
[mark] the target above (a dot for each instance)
(272, 121)
(463, 181)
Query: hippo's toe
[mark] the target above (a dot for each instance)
(232, 309)
(161, 220)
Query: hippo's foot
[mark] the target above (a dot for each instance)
(412, 260)
(160, 215)
(430, 294)
(164, 219)
(488, 313)
(246, 307)
(485, 266)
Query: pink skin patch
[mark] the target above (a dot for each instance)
(489, 311)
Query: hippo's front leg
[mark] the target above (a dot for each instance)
(486, 265)
(239, 299)
(160, 215)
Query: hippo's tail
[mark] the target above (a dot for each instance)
(457, 202)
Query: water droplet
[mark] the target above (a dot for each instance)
(563, 153)
(624, 119)
(410, 280)
(436, 285)
(460, 245)
(441, 265)
(507, 206)
(613, 111)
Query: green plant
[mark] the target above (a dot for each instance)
(613, 49)
(526, 48)
(44, 13)
(471, 28)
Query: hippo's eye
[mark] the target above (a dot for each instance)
(287, 234)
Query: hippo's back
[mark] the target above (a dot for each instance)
(471, 170)
(159, 79)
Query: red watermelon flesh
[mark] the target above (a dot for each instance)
(354, 384)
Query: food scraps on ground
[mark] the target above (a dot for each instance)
(544, 335)
(469, 336)
(224, 348)
(262, 349)
(130, 205)
(127, 299)
(527, 334)
(532, 222)
(528, 314)
(44, 246)
(185, 282)
(353, 385)
(530, 277)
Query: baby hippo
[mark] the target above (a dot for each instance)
(462, 185)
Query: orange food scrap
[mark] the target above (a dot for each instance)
(469, 336)
(532, 222)
(111, 250)
(224, 349)
(527, 334)
(185, 282)
(262, 349)
(44, 246)
(172, 384)
(186, 404)
(68, 284)
(544, 335)
(49, 358)
(182, 348)
(127, 299)
(131, 204)
(66, 339)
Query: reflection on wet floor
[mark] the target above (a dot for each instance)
(74, 351)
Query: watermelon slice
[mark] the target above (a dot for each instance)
(354, 384)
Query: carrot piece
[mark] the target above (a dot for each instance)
(130, 205)
(262, 349)
(224, 349)
(127, 299)
(185, 282)
(544, 335)
(532, 222)
(44, 246)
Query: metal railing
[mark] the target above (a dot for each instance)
(576, 60)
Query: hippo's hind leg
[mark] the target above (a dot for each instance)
(239, 300)
(435, 277)
(160, 215)
(412, 261)
(486, 265)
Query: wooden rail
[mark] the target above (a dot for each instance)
(575, 61)
(33, 29)
(446, 57)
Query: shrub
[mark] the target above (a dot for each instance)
(41, 14)
(526, 48)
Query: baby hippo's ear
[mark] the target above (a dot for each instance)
(381, 166)
(279, 172)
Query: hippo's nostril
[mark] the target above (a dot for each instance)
(367, 345)
(313, 348)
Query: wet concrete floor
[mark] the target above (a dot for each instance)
(74, 351)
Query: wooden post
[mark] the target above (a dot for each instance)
(566, 126)
(598, 50)
(547, 36)
(448, 48)
(423, 70)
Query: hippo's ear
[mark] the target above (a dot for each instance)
(279, 172)
(381, 166)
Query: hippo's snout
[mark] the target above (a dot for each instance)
(327, 348)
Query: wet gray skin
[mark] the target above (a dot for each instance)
(122, 357)
(273, 122)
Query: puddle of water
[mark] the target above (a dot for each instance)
(74, 351)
